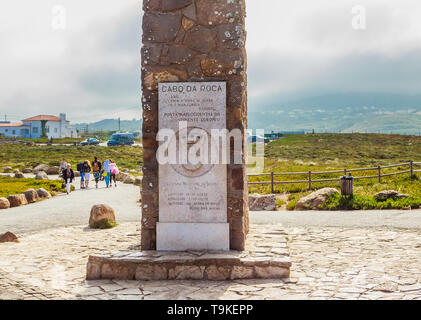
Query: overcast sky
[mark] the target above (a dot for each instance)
(298, 49)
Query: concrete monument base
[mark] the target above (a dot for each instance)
(266, 257)
(192, 236)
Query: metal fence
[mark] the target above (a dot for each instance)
(309, 174)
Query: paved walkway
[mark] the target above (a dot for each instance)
(407, 219)
(327, 263)
(73, 209)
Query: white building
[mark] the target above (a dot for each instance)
(55, 127)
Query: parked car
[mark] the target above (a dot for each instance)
(121, 139)
(89, 142)
(257, 138)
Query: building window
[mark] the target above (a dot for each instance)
(55, 130)
(47, 129)
(13, 131)
(35, 130)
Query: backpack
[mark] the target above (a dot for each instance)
(79, 167)
(95, 167)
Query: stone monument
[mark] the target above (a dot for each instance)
(195, 214)
(196, 44)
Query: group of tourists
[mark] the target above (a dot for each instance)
(107, 171)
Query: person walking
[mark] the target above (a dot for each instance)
(107, 172)
(96, 169)
(68, 176)
(87, 166)
(114, 172)
(80, 168)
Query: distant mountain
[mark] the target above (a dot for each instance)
(111, 125)
(369, 112)
(339, 112)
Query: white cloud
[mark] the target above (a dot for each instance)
(91, 69)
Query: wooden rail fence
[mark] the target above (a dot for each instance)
(410, 164)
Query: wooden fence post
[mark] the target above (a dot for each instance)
(345, 172)
(309, 180)
(271, 178)
(411, 165)
(380, 175)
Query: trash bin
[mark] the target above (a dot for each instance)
(347, 185)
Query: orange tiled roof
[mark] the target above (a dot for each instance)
(16, 124)
(43, 117)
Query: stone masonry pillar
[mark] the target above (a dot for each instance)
(194, 41)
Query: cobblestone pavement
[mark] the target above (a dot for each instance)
(327, 263)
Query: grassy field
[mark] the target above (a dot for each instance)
(9, 186)
(20, 156)
(329, 152)
(293, 153)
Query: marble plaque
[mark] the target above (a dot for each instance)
(194, 193)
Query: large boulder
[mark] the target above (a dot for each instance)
(7, 169)
(44, 194)
(316, 199)
(17, 200)
(389, 194)
(52, 170)
(41, 175)
(8, 237)
(77, 173)
(27, 170)
(41, 167)
(129, 179)
(4, 203)
(101, 215)
(19, 175)
(259, 202)
(31, 195)
(122, 176)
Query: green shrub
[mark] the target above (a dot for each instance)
(291, 205)
(10, 186)
(359, 202)
(103, 224)
(279, 203)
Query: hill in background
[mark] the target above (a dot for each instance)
(111, 125)
(339, 113)
(385, 113)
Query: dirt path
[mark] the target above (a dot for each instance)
(69, 210)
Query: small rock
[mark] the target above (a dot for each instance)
(27, 170)
(259, 202)
(42, 193)
(77, 173)
(100, 212)
(41, 167)
(19, 175)
(52, 170)
(316, 199)
(7, 169)
(31, 195)
(8, 237)
(17, 200)
(4, 203)
(41, 175)
(387, 194)
(138, 181)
